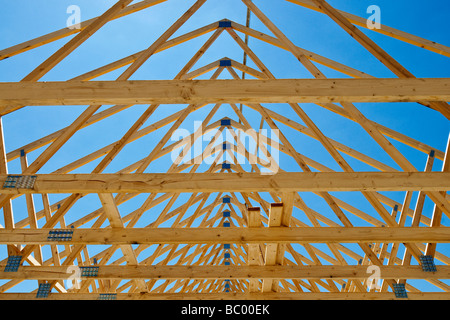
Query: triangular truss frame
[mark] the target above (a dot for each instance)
(219, 244)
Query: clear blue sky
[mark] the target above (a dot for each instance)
(23, 20)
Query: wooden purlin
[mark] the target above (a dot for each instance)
(431, 182)
(319, 91)
(252, 272)
(194, 269)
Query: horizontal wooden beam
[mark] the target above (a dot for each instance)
(235, 182)
(121, 236)
(228, 272)
(237, 296)
(13, 94)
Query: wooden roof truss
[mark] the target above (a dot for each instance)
(276, 246)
